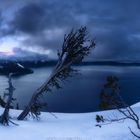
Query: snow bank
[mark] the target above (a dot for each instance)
(68, 127)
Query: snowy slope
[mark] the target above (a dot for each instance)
(68, 127)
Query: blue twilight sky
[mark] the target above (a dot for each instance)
(35, 28)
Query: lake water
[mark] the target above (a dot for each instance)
(80, 93)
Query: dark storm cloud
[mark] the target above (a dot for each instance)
(30, 19)
(111, 22)
(35, 17)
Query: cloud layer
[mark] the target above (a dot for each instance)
(40, 25)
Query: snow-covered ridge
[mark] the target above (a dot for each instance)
(80, 126)
(20, 65)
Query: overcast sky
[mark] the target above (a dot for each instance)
(36, 27)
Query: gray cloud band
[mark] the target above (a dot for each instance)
(114, 24)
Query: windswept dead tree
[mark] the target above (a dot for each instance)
(4, 118)
(110, 98)
(75, 47)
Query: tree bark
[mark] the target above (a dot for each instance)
(4, 118)
(35, 95)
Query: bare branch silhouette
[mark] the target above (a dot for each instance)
(110, 98)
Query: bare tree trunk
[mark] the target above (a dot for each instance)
(35, 95)
(4, 118)
(26, 111)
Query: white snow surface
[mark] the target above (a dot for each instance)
(68, 126)
(20, 65)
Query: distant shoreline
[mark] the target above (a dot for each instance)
(42, 63)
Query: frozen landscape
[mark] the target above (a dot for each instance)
(66, 126)
(69, 70)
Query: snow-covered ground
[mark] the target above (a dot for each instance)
(68, 127)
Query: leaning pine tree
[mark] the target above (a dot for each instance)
(75, 47)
